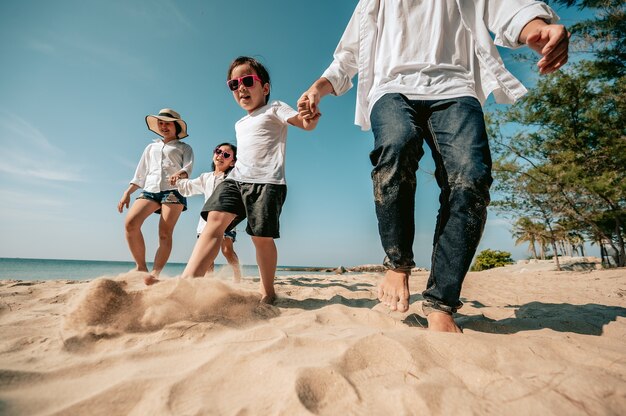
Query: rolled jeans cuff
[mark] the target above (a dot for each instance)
(398, 268)
(430, 306)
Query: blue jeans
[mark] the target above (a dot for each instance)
(454, 129)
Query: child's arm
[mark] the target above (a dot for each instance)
(138, 181)
(190, 187)
(125, 201)
(304, 123)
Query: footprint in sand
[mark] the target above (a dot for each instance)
(375, 363)
(321, 390)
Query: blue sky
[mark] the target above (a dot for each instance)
(79, 76)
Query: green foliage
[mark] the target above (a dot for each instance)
(560, 153)
(527, 231)
(488, 259)
(604, 36)
(564, 161)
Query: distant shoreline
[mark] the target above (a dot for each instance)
(72, 269)
(372, 268)
(286, 267)
(365, 268)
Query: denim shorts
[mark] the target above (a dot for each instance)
(260, 203)
(164, 197)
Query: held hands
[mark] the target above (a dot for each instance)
(175, 177)
(308, 105)
(551, 41)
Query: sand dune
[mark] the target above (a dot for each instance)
(535, 341)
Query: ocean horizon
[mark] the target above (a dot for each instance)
(66, 269)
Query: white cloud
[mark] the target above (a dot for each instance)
(127, 163)
(176, 12)
(28, 154)
(496, 222)
(40, 46)
(48, 174)
(97, 54)
(111, 55)
(158, 10)
(20, 130)
(26, 200)
(75, 45)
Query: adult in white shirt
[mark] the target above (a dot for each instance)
(162, 163)
(424, 71)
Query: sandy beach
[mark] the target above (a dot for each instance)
(535, 341)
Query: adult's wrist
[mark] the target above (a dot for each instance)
(535, 24)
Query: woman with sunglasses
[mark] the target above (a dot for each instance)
(224, 158)
(256, 188)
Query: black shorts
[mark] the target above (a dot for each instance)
(260, 203)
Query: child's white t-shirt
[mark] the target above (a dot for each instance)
(261, 144)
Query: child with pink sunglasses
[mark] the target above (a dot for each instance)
(256, 188)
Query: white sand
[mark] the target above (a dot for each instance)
(535, 341)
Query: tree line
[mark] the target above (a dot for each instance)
(560, 153)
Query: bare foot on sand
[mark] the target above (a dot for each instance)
(268, 299)
(393, 290)
(150, 280)
(442, 322)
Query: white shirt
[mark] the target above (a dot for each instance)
(262, 143)
(430, 50)
(203, 184)
(161, 160)
(442, 70)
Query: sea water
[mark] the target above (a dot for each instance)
(51, 269)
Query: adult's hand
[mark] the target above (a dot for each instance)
(549, 40)
(308, 103)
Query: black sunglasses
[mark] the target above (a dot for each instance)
(246, 80)
(224, 154)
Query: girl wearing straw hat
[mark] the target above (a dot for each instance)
(162, 163)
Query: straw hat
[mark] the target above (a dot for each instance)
(166, 114)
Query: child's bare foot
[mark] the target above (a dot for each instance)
(150, 280)
(268, 299)
(442, 322)
(393, 290)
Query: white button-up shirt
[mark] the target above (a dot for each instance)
(431, 50)
(161, 160)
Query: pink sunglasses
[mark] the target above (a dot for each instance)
(246, 80)
(224, 154)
